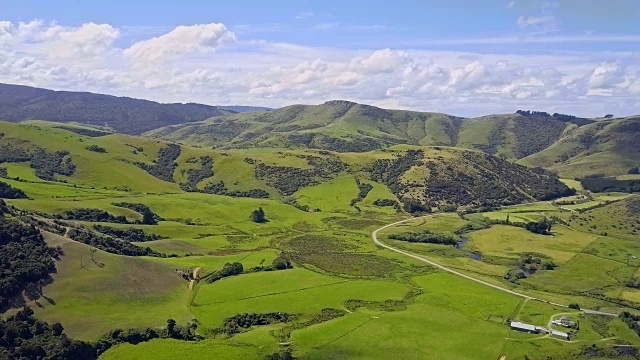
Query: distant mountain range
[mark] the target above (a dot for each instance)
(571, 145)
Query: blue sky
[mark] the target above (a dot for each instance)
(456, 56)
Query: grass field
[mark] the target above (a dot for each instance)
(394, 306)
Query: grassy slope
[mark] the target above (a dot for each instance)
(498, 134)
(607, 147)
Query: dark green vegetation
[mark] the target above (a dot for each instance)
(129, 234)
(165, 165)
(9, 192)
(126, 115)
(235, 324)
(148, 216)
(22, 336)
(610, 184)
(632, 321)
(96, 148)
(425, 236)
(25, 259)
(110, 244)
(97, 215)
(473, 179)
(229, 269)
(258, 216)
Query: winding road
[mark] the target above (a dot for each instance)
(374, 235)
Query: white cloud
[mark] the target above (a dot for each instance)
(325, 26)
(258, 72)
(181, 41)
(527, 21)
(510, 4)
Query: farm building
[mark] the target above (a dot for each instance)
(560, 335)
(518, 326)
(565, 321)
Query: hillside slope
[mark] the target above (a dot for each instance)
(36, 156)
(346, 126)
(608, 147)
(125, 115)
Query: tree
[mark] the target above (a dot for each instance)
(258, 216)
(608, 116)
(634, 170)
(171, 325)
(148, 218)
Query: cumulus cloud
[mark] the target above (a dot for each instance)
(87, 58)
(526, 21)
(181, 41)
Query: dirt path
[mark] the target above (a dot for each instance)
(195, 276)
(374, 236)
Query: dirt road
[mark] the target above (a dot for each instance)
(374, 235)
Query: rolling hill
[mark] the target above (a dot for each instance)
(125, 115)
(347, 126)
(608, 147)
(40, 153)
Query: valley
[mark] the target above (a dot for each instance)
(270, 249)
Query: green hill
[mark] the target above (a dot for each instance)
(346, 126)
(608, 147)
(37, 156)
(126, 115)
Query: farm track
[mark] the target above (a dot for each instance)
(374, 236)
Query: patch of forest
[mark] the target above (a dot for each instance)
(481, 180)
(25, 258)
(194, 176)
(9, 192)
(610, 184)
(84, 131)
(425, 236)
(129, 234)
(110, 244)
(148, 216)
(289, 179)
(165, 165)
(45, 164)
(88, 214)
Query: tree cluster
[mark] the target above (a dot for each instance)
(385, 202)
(363, 191)
(96, 215)
(258, 216)
(165, 165)
(22, 336)
(25, 258)
(219, 188)
(390, 172)
(610, 184)
(148, 216)
(425, 236)
(229, 269)
(129, 234)
(48, 164)
(9, 192)
(194, 176)
(96, 148)
(289, 179)
(111, 245)
(234, 324)
(632, 321)
(634, 171)
(542, 227)
(84, 131)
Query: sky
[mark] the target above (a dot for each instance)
(462, 57)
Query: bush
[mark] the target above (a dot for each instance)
(425, 236)
(229, 269)
(9, 192)
(96, 148)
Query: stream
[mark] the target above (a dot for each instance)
(473, 255)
